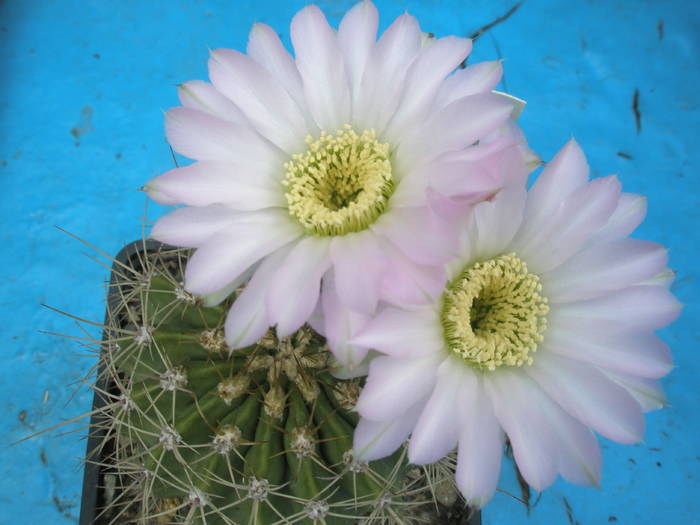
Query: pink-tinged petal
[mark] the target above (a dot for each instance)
(394, 385)
(357, 34)
(603, 268)
(419, 233)
(630, 212)
(192, 227)
(230, 251)
(257, 93)
(564, 174)
(201, 136)
(579, 453)
(498, 220)
(378, 439)
(322, 68)
(579, 216)
(295, 287)
(646, 391)
(247, 320)
(339, 326)
(210, 182)
(524, 412)
(219, 296)
(409, 283)
(480, 443)
(423, 79)
(637, 308)
(266, 48)
(403, 333)
(382, 81)
(586, 394)
(202, 96)
(639, 354)
(663, 279)
(160, 197)
(458, 125)
(437, 429)
(482, 77)
(359, 262)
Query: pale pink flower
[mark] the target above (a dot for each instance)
(316, 168)
(543, 331)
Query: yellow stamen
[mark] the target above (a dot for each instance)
(341, 184)
(494, 314)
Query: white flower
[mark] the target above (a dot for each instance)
(316, 168)
(542, 331)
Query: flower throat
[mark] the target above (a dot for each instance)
(341, 184)
(494, 314)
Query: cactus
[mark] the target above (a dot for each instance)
(194, 433)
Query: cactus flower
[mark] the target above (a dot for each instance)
(312, 170)
(542, 332)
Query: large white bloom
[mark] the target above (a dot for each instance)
(315, 168)
(542, 331)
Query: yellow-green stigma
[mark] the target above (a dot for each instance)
(341, 184)
(494, 314)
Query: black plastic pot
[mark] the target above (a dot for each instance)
(93, 499)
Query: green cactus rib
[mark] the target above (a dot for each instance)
(259, 436)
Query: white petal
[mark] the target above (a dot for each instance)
(210, 182)
(295, 288)
(641, 354)
(201, 136)
(409, 283)
(247, 320)
(524, 413)
(321, 64)
(637, 308)
(478, 78)
(356, 36)
(219, 296)
(359, 263)
(424, 77)
(579, 453)
(437, 429)
(378, 439)
(585, 393)
(403, 333)
(191, 227)
(230, 251)
(265, 47)
(647, 392)
(256, 92)
(386, 67)
(340, 324)
(456, 126)
(396, 384)
(200, 95)
(602, 268)
(480, 443)
(630, 212)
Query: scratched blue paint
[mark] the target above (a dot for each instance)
(83, 86)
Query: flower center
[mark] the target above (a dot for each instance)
(494, 314)
(341, 184)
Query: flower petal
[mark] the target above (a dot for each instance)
(647, 392)
(322, 68)
(202, 96)
(356, 36)
(191, 227)
(201, 136)
(409, 283)
(630, 212)
(585, 393)
(480, 443)
(437, 429)
(247, 320)
(295, 288)
(210, 182)
(482, 77)
(378, 439)
(230, 251)
(403, 333)
(359, 264)
(268, 106)
(394, 385)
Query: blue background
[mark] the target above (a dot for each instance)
(84, 84)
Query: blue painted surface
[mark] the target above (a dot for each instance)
(83, 87)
